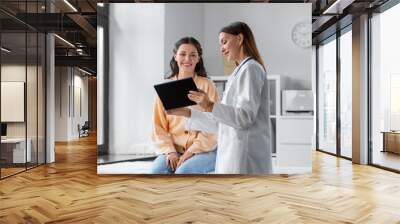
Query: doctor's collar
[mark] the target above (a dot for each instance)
(244, 60)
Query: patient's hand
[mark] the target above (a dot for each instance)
(187, 155)
(185, 112)
(172, 160)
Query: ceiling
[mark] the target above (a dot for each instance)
(76, 20)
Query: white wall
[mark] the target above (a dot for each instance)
(136, 64)
(181, 20)
(61, 103)
(272, 26)
(67, 80)
(80, 83)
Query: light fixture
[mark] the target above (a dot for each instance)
(65, 41)
(329, 9)
(100, 4)
(5, 50)
(70, 5)
(337, 7)
(84, 71)
(80, 51)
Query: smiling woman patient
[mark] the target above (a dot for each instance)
(181, 151)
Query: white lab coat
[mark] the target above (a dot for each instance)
(241, 121)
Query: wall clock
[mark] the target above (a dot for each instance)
(302, 34)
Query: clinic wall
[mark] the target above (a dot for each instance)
(136, 53)
(61, 103)
(272, 26)
(80, 111)
(181, 20)
(67, 115)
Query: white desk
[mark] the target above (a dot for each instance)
(17, 146)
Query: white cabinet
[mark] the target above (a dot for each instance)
(295, 144)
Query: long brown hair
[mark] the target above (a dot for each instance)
(249, 43)
(200, 70)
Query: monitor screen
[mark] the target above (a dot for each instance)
(3, 129)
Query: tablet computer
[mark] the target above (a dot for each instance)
(173, 94)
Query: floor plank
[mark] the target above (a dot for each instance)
(70, 191)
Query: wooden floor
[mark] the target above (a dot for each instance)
(10, 171)
(70, 191)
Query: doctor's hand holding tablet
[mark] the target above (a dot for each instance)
(241, 119)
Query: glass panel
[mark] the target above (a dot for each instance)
(346, 94)
(23, 89)
(13, 87)
(327, 97)
(385, 87)
(31, 100)
(31, 88)
(394, 102)
(41, 98)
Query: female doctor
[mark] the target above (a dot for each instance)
(241, 119)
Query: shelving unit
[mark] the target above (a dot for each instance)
(274, 84)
